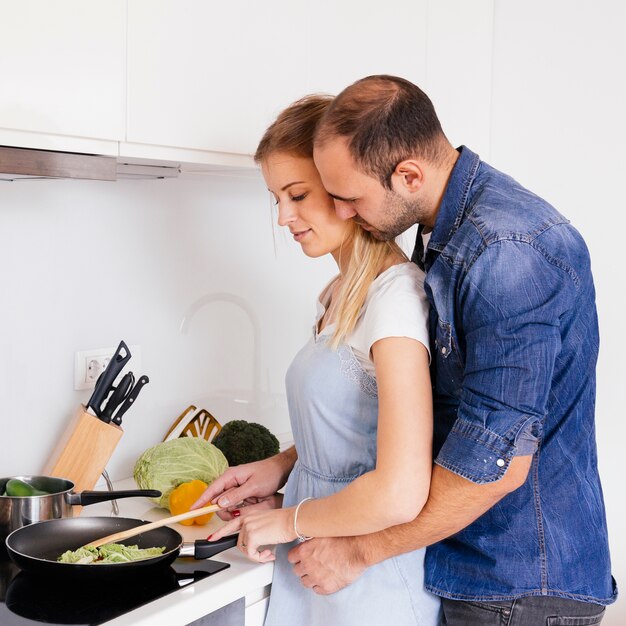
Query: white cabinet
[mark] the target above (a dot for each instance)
(198, 82)
(63, 74)
(211, 75)
(256, 606)
(351, 39)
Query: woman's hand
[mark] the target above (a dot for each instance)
(252, 504)
(258, 529)
(253, 484)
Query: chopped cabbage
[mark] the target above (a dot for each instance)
(110, 553)
(177, 461)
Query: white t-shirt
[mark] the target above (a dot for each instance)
(395, 306)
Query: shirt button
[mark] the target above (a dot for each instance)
(500, 462)
(444, 350)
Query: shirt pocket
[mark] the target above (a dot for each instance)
(448, 368)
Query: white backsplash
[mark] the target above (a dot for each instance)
(85, 264)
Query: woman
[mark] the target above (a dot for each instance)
(359, 400)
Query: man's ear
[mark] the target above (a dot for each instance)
(408, 175)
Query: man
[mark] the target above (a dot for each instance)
(515, 519)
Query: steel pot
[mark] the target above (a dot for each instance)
(18, 511)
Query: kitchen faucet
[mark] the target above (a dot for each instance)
(245, 306)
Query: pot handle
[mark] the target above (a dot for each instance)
(203, 549)
(93, 497)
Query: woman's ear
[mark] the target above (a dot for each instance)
(408, 175)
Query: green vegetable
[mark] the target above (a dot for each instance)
(110, 553)
(177, 461)
(18, 488)
(244, 442)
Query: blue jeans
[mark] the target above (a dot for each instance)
(532, 611)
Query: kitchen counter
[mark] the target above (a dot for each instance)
(242, 579)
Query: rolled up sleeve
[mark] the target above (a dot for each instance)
(511, 301)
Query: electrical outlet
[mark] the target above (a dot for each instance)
(95, 366)
(89, 364)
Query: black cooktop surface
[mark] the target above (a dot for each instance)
(29, 599)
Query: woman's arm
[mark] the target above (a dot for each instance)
(396, 490)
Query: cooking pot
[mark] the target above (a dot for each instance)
(18, 511)
(36, 548)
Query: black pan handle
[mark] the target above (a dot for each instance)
(93, 497)
(203, 549)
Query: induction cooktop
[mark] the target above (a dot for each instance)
(30, 599)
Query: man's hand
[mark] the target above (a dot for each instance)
(251, 483)
(327, 564)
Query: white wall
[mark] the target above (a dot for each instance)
(85, 264)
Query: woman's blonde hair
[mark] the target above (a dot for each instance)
(292, 133)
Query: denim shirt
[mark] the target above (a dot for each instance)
(514, 335)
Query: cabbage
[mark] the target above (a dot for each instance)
(109, 553)
(177, 461)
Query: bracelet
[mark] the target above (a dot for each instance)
(300, 537)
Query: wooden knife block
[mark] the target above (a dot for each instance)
(84, 451)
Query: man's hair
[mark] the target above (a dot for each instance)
(386, 120)
(292, 131)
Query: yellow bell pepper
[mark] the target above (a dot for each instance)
(184, 496)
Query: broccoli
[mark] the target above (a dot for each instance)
(244, 442)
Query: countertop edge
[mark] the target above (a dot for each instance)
(203, 597)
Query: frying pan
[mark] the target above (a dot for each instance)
(36, 548)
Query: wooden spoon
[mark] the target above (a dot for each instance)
(138, 530)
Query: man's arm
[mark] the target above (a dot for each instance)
(327, 565)
(511, 324)
(453, 504)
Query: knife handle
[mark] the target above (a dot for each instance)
(107, 378)
(132, 396)
(120, 393)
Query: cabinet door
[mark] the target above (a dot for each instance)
(255, 613)
(211, 75)
(352, 39)
(63, 67)
(424, 41)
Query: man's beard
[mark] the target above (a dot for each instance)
(397, 215)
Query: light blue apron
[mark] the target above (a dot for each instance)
(333, 408)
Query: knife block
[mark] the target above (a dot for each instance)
(83, 451)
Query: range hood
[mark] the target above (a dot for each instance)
(27, 164)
